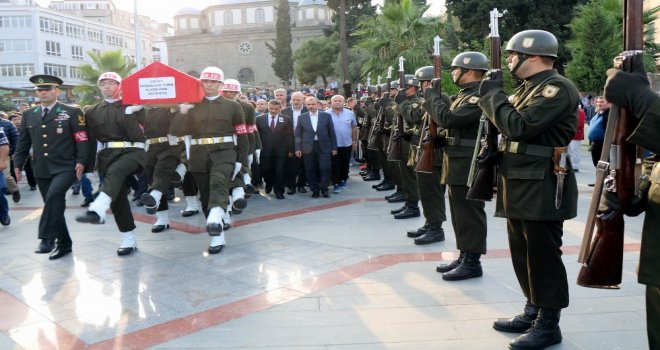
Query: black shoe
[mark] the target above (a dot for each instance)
(269, 188)
(86, 202)
(302, 189)
(364, 173)
(371, 177)
(470, 267)
(126, 251)
(215, 250)
(214, 229)
(591, 185)
(385, 187)
(442, 268)
(379, 184)
(76, 191)
(291, 191)
(407, 214)
(46, 246)
(249, 190)
(59, 252)
(279, 196)
(33, 188)
(159, 228)
(90, 217)
(519, 323)
(149, 203)
(5, 220)
(400, 210)
(392, 195)
(239, 205)
(188, 213)
(543, 333)
(432, 235)
(225, 226)
(315, 194)
(325, 193)
(16, 196)
(418, 232)
(399, 198)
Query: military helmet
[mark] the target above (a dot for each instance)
(534, 42)
(231, 85)
(372, 89)
(394, 84)
(212, 73)
(383, 87)
(110, 76)
(471, 60)
(424, 73)
(410, 80)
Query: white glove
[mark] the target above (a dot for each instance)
(185, 107)
(250, 159)
(133, 109)
(257, 155)
(237, 169)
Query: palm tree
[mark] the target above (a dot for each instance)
(399, 30)
(107, 61)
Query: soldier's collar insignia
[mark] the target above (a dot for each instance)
(415, 105)
(550, 91)
(473, 100)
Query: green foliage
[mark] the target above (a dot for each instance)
(107, 61)
(356, 12)
(7, 105)
(356, 59)
(281, 50)
(316, 57)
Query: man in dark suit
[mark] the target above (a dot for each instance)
(276, 133)
(316, 143)
(57, 133)
(295, 168)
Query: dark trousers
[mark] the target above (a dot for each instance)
(373, 161)
(395, 171)
(188, 185)
(317, 166)
(409, 178)
(29, 174)
(387, 167)
(53, 192)
(255, 174)
(536, 255)
(595, 149)
(296, 175)
(341, 163)
(4, 205)
(653, 316)
(213, 185)
(432, 196)
(115, 181)
(273, 170)
(468, 218)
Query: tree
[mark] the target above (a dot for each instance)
(281, 50)
(107, 61)
(316, 57)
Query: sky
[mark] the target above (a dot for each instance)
(164, 11)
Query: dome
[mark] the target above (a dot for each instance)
(311, 2)
(188, 11)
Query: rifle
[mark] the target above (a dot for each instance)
(483, 168)
(602, 260)
(396, 146)
(375, 141)
(426, 154)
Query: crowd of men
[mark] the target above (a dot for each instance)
(223, 148)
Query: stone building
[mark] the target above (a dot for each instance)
(233, 34)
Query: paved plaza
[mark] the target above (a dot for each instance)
(300, 273)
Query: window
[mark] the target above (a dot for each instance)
(57, 70)
(75, 31)
(97, 52)
(183, 23)
(114, 39)
(16, 70)
(259, 16)
(53, 48)
(49, 25)
(76, 52)
(228, 18)
(75, 73)
(15, 22)
(246, 76)
(94, 35)
(194, 23)
(19, 45)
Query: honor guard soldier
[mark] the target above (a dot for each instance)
(382, 139)
(219, 149)
(372, 172)
(391, 113)
(57, 135)
(162, 165)
(632, 91)
(118, 129)
(536, 126)
(461, 123)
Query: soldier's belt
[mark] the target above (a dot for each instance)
(525, 148)
(213, 140)
(155, 140)
(455, 141)
(123, 144)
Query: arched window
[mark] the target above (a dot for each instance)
(259, 15)
(246, 76)
(228, 18)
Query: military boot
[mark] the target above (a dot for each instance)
(435, 233)
(400, 210)
(399, 198)
(543, 333)
(519, 323)
(410, 212)
(470, 267)
(442, 268)
(419, 232)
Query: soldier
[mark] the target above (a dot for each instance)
(219, 149)
(162, 164)
(383, 139)
(119, 131)
(391, 114)
(461, 123)
(57, 135)
(632, 91)
(372, 173)
(539, 122)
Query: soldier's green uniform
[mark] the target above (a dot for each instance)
(58, 140)
(412, 125)
(378, 129)
(390, 113)
(541, 116)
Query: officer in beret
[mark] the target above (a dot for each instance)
(58, 137)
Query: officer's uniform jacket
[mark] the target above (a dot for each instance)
(59, 140)
(214, 118)
(108, 122)
(543, 115)
(461, 123)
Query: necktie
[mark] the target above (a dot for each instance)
(45, 113)
(272, 123)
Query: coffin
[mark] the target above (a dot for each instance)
(160, 85)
